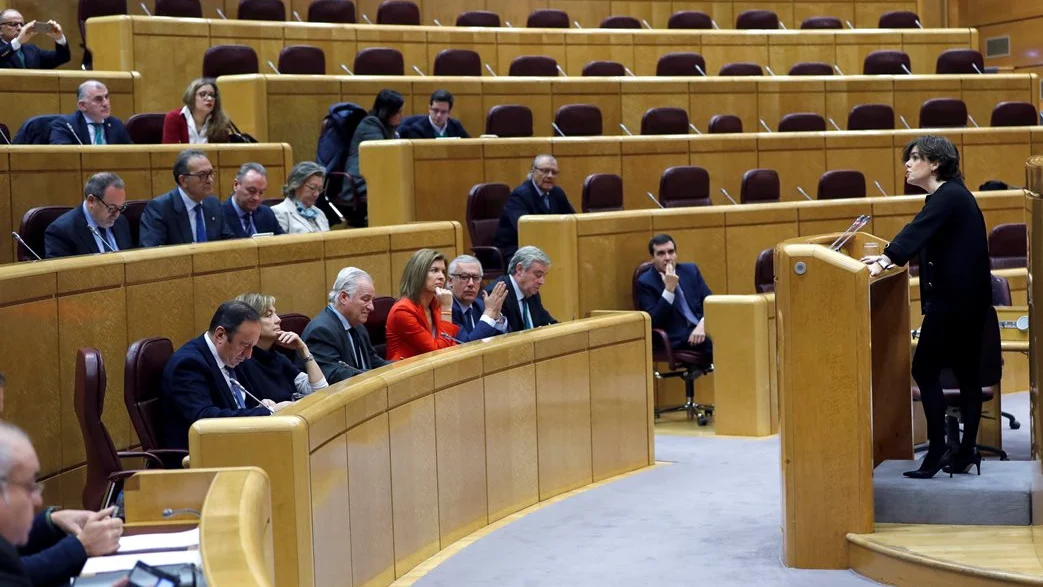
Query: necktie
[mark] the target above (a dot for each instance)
(99, 132)
(200, 225)
(526, 317)
(21, 57)
(248, 224)
(468, 319)
(360, 357)
(237, 394)
(546, 202)
(106, 235)
(685, 309)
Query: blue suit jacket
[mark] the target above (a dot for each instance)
(669, 317)
(51, 557)
(192, 389)
(165, 221)
(525, 200)
(115, 132)
(419, 127)
(481, 329)
(69, 235)
(264, 220)
(35, 57)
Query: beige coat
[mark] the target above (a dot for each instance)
(293, 223)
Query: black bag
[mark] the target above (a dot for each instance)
(236, 136)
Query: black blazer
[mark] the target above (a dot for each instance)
(525, 200)
(50, 557)
(329, 344)
(35, 57)
(264, 220)
(12, 573)
(670, 317)
(949, 235)
(419, 127)
(115, 132)
(537, 313)
(193, 388)
(165, 221)
(69, 235)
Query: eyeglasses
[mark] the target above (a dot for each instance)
(30, 487)
(465, 277)
(314, 188)
(201, 176)
(205, 95)
(547, 170)
(14, 25)
(112, 208)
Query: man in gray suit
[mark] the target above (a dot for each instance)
(337, 336)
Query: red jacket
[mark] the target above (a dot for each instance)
(175, 128)
(409, 332)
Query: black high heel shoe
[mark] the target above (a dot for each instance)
(929, 467)
(961, 462)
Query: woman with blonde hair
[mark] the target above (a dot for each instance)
(201, 119)
(298, 212)
(414, 324)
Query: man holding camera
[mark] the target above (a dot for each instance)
(16, 53)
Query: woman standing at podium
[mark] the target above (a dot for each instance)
(950, 238)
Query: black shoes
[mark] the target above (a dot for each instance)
(961, 462)
(931, 465)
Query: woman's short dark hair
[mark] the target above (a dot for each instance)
(938, 150)
(386, 105)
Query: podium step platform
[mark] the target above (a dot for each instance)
(1000, 496)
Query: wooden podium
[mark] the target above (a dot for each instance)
(845, 403)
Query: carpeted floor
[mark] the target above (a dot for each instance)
(711, 517)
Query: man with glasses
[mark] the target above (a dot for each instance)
(436, 124)
(188, 213)
(477, 317)
(17, 53)
(244, 213)
(95, 226)
(93, 123)
(538, 194)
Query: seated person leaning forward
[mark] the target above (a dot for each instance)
(415, 325)
(269, 374)
(476, 316)
(200, 381)
(337, 336)
(297, 214)
(523, 306)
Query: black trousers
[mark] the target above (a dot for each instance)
(950, 340)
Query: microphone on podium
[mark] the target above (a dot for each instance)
(805, 194)
(653, 198)
(729, 196)
(446, 335)
(845, 236)
(18, 238)
(170, 513)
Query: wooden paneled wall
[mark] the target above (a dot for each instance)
(32, 176)
(259, 103)
(997, 18)
(374, 475)
(50, 309)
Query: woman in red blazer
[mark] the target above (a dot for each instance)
(415, 325)
(202, 104)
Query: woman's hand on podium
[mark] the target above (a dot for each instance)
(876, 263)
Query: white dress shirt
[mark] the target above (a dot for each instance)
(222, 368)
(195, 136)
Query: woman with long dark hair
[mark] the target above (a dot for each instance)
(381, 123)
(201, 119)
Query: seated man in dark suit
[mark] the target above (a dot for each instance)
(16, 53)
(436, 124)
(337, 336)
(244, 213)
(523, 306)
(673, 296)
(199, 381)
(96, 226)
(187, 213)
(538, 194)
(477, 316)
(93, 123)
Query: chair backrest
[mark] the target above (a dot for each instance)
(899, 19)
(34, 223)
(229, 60)
(335, 11)
(261, 10)
(620, 22)
(579, 120)
(689, 19)
(683, 63)
(533, 66)
(759, 185)
(1001, 291)
(401, 12)
(990, 369)
(725, 124)
(871, 117)
(179, 8)
(458, 62)
(822, 22)
(485, 204)
(635, 294)
(146, 128)
(841, 183)
(741, 69)
(664, 120)
(91, 8)
(35, 131)
(943, 113)
(684, 185)
(764, 272)
(135, 208)
(291, 322)
(811, 68)
(1014, 114)
(509, 120)
(379, 61)
(802, 122)
(89, 402)
(5, 135)
(482, 18)
(548, 18)
(960, 61)
(757, 19)
(886, 62)
(376, 323)
(1008, 246)
(302, 60)
(602, 192)
(142, 379)
(604, 69)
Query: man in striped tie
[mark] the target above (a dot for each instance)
(245, 216)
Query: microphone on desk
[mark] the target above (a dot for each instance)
(170, 513)
(297, 16)
(4, 136)
(250, 395)
(69, 126)
(729, 196)
(144, 8)
(805, 194)
(26, 245)
(446, 335)
(879, 187)
(653, 198)
(94, 231)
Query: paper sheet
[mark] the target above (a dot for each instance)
(125, 562)
(159, 541)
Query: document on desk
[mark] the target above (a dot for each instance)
(125, 562)
(159, 541)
